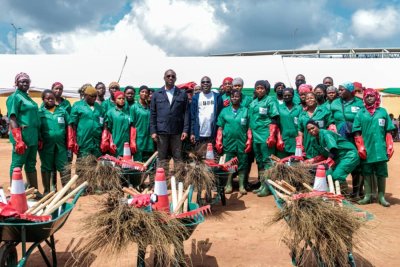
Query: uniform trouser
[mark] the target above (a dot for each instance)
(86, 151)
(379, 169)
(53, 159)
(242, 158)
(262, 153)
(170, 142)
(28, 159)
(344, 166)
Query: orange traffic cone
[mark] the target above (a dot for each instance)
(160, 189)
(127, 152)
(298, 151)
(18, 197)
(320, 183)
(210, 152)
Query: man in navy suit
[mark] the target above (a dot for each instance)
(169, 121)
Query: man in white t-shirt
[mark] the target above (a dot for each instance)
(205, 108)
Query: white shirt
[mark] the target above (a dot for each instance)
(170, 94)
(206, 113)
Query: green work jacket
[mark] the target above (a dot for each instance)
(107, 104)
(65, 104)
(288, 124)
(261, 111)
(328, 140)
(351, 108)
(53, 128)
(118, 122)
(140, 117)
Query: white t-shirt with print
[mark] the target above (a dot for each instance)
(206, 113)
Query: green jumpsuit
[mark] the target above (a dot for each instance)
(65, 104)
(107, 104)
(246, 100)
(118, 123)
(351, 108)
(346, 157)
(288, 125)
(373, 129)
(53, 131)
(140, 117)
(323, 117)
(261, 112)
(89, 124)
(27, 115)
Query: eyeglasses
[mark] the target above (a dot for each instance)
(227, 83)
(170, 76)
(205, 81)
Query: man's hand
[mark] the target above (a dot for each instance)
(192, 138)
(154, 137)
(184, 136)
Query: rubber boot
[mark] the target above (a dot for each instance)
(356, 179)
(261, 178)
(264, 190)
(46, 177)
(53, 181)
(381, 192)
(228, 187)
(368, 190)
(31, 178)
(242, 177)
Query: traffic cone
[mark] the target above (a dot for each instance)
(298, 151)
(18, 197)
(320, 183)
(160, 189)
(210, 152)
(127, 152)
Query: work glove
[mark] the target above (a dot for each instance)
(389, 145)
(292, 158)
(332, 128)
(113, 147)
(249, 141)
(105, 141)
(218, 141)
(316, 159)
(273, 130)
(132, 140)
(20, 146)
(329, 162)
(280, 145)
(71, 144)
(362, 152)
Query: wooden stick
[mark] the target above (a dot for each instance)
(62, 192)
(29, 191)
(330, 184)
(130, 191)
(62, 201)
(147, 163)
(309, 188)
(43, 205)
(186, 205)
(282, 196)
(30, 196)
(337, 185)
(222, 159)
(182, 201)
(288, 186)
(279, 187)
(174, 193)
(37, 204)
(274, 158)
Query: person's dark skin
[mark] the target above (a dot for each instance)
(370, 99)
(227, 87)
(303, 99)
(130, 95)
(49, 101)
(101, 91)
(345, 94)
(236, 98)
(22, 85)
(90, 99)
(112, 90)
(288, 99)
(238, 87)
(279, 90)
(189, 93)
(260, 91)
(331, 95)
(313, 130)
(58, 91)
(320, 94)
(328, 81)
(120, 102)
(300, 79)
(205, 88)
(144, 97)
(311, 103)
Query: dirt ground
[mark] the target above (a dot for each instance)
(237, 234)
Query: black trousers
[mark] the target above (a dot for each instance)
(169, 145)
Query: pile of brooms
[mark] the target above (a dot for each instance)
(319, 221)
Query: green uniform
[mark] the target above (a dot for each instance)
(288, 121)
(323, 117)
(140, 117)
(234, 135)
(296, 98)
(261, 112)
(27, 116)
(373, 129)
(65, 104)
(107, 104)
(351, 108)
(53, 127)
(246, 101)
(128, 106)
(118, 123)
(346, 157)
(327, 105)
(89, 124)
(278, 102)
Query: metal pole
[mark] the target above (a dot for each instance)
(15, 36)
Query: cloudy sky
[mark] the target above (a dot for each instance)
(195, 27)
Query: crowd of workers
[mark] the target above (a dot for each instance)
(344, 128)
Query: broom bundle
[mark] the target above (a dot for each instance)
(116, 224)
(332, 230)
(195, 173)
(295, 174)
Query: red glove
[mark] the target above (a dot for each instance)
(132, 140)
(389, 145)
(20, 146)
(332, 128)
(362, 152)
(105, 141)
(291, 158)
(72, 145)
(249, 141)
(40, 145)
(113, 147)
(315, 159)
(140, 201)
(330, 162)
(273, 130)
(226, 102)
(280, 145)
(218, 141)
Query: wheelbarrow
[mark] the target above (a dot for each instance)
(280, 203)
(221, 178)
(190, 223)
(17, 231)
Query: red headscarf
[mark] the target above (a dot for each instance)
(305, 88)
(117, 94)
(227, 79)
(371, 108)
(57, 84)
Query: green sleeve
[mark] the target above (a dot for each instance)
(329, 118)
(74, 118)
(109, 120)
(301, 126)
(389, 124)
(221, 121)
(273, 109)
(357, 123)
(12, 106)
(133, 115)
(330, 140)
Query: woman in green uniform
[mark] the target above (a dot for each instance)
(110, 102)
(58, 89)
(278, 89)
(53, 130)
(372, 126)
(23, 114)
(344, 109)
(331, 95)
(303, 90)
(85, 125)
(288, 124)
(234, 138)
(319, 114)
(129, 97)
(227, 88)
(117, 123)
(263, 114)
(237, 84)
(142, 145)
(342, 156)
(320, 93)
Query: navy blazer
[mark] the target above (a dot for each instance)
(166, 118)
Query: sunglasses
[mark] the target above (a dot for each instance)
(170, 76)
(205, 81)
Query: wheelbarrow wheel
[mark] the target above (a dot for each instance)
(8, 255)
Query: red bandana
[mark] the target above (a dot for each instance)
(371, 108)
